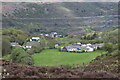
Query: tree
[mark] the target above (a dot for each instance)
(35, 49)
(108, 47)
(6, 47)
(15, 35)
(20, 56)
(51, 44)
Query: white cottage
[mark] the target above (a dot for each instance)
(89, 49)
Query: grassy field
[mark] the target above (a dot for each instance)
(53, 57)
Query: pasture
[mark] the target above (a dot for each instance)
(54, 57)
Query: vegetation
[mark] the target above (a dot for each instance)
(6, 47)
(15, 35)
(20, 56)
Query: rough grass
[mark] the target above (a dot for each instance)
(54, 57)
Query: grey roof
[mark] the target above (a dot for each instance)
(68, 47)
(14, 43)
(32, 43)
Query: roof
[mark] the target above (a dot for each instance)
(76, 47)
(68, 47)
(32, 43)
(101, 44)
(53, 32)
(14, 44)
(35, 38)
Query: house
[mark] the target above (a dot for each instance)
(41, 34)
(89, 44)
(46, 35)
(77, 48)
(100, 45)
(14, 44)
(56, 45)
(35, 39)
(89, 49)
(68, 48)
(59, 36)
(76, 43)
(53, 34)
(71, 48)
(94, 46)
(83, 45)
(29, 45)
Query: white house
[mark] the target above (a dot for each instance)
(78, 43)
(83, 45)
(46, 34)
(89, 44)
(53, 34)
(68, 48)
(14, 44)
(89, 49)
(56, 45)
(35, 39)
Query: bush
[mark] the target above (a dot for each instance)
(108, 47)
(116, 52)
(6, 47)
(20, 56)
(35, 49)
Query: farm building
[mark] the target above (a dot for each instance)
(35, 39)
(67, 48)
(72, 48)
(14, 44)
(89, 49)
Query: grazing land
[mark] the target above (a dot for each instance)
(54, 57)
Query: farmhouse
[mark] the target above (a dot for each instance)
(67, 48)
(35, 39)
(99, 45)
(89, 49)
(59, 36)
(53, 34)
(76, 43)
(83, 45)
(46, 35)
(71, 48)
(56, 45)
(14, 44)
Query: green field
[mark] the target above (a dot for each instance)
(53, 57)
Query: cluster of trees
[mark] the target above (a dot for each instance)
(14, 35)
(110, 47)
(6, 47)
(111, 41)
(90, 36)
(20, 56)
(16, 54)
(35, 49)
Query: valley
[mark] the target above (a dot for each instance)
(60, 40)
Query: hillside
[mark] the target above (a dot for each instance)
(69, 16)
(60, 10)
